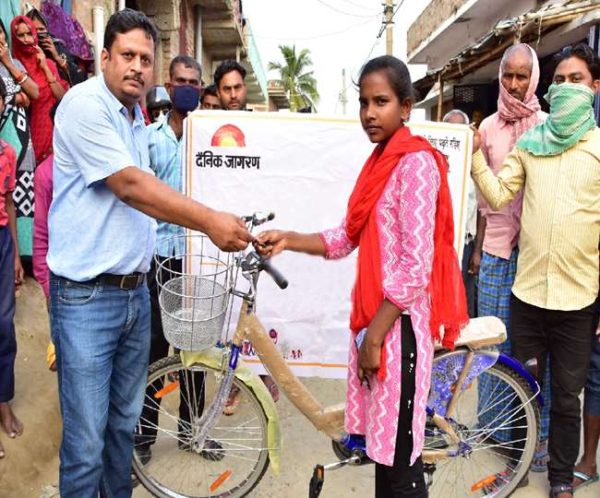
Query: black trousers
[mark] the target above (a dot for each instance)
(565, 337)
(190, 385)
(403, 480)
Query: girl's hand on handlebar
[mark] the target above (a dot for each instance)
(270, 243)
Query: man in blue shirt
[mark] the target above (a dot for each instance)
(101, 241)
(164, 139)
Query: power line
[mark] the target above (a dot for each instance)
(354, 4)
(343, 12)
(324, 35)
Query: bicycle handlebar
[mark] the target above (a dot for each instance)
(274, 273)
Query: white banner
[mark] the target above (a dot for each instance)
(302, 168)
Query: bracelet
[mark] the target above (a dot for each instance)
(23, 79)
(52, 82)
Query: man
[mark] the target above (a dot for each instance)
(231, 86)
(557, 164)
(471, 258)
(158, 103)
(164, 140)
(586, 471)
(232, 92)
(102, 238)
(518, 111)
(210, 99)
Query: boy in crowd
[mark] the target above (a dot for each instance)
(11, 274)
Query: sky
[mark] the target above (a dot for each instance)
(340, 34)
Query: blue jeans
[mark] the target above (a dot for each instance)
(102, 339)
(592, 388)
(8, 342)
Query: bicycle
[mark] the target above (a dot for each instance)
(216, 455)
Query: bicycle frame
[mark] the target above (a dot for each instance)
(329, 420)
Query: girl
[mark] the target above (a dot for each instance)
(408, 281)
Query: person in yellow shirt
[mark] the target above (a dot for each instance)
(557, 165)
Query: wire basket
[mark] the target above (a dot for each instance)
(194, 289)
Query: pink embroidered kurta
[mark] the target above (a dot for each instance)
(405, 217)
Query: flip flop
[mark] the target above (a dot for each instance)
(541, 458)
(232, 402)
(585, 479)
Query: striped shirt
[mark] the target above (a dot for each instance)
(165, 161)
(557, 267)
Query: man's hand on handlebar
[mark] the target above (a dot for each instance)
(228, 231)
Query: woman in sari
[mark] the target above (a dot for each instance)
(14, 129)
(45, 73)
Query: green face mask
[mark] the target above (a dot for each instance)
(571, 117)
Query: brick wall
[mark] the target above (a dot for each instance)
(436, 13)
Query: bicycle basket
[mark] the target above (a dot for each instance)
(194, 289)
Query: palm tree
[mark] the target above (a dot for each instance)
(299, 84)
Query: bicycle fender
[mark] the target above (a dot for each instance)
(523, 372)
(213, 357)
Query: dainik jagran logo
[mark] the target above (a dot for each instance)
(227, 136)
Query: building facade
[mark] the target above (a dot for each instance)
(462, 41)
(208, 30)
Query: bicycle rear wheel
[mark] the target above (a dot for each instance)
(501, 446)
(233, 460)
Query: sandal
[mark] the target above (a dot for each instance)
(559, 489)
(586, 479)
(213, 450)
(541, 457)
(232, 402)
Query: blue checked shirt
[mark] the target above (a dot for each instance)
(165, 161)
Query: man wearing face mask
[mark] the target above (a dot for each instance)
(164, 142)
(552, 307)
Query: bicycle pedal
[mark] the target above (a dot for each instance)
(316, 482)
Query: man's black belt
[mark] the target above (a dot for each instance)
(125, 282)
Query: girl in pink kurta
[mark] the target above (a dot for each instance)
(399, 216)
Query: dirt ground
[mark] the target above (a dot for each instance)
(31, 464)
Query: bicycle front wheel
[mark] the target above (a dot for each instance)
(235, 455)
(497, 419)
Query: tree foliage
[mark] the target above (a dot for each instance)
(296, 77)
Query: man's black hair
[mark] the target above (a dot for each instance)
(209, 90)
(226, 67)
(186, 61)
(584, 52)
(124, 21)
(3, 91)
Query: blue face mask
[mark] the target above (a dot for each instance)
(185, 98)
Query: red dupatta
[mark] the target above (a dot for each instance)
(446, 288)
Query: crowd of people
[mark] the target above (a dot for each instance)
(101, 179)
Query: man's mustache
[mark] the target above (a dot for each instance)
(139, 79)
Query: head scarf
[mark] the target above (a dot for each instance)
(571, 117)
(446, 289)
(27, 54)
(520, 115)
(66, 28)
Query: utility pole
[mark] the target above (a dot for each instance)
(388, 11)
(343, 98)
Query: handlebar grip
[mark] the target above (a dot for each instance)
(277, 277)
